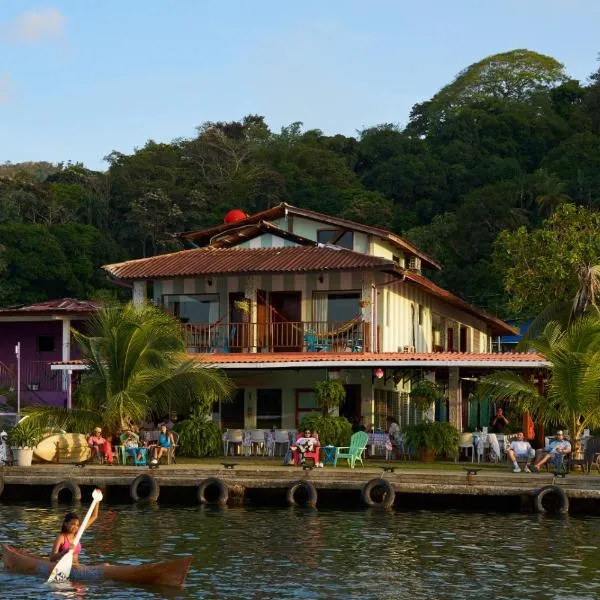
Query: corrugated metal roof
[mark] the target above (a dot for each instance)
(60, 306)
(204, 235)
(221, 261)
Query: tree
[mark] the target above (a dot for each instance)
(136, 368)
(572, 397)
(549, 263)
(515, 76)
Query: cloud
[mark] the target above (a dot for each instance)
(38, 24)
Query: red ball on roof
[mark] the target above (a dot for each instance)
(234, 215)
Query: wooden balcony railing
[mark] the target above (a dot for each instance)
(301, 336)
(36, 375)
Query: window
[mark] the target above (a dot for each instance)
(268, 409)
(232, 413)
(46, 343)
(345, 239)
(306, 404)
(199, 308)
(421, 311)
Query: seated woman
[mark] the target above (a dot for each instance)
(306, 446)
(165, 443)
(395, 437)
(100, 445)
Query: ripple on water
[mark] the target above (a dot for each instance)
(278, 553)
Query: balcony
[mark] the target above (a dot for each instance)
(288, 336)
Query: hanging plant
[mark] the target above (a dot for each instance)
(242, 305)
(424, 393)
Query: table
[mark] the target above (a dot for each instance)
(378, 440)
(328, 454)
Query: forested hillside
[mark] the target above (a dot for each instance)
(500, 147)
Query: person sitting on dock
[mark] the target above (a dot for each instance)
(100, 446)
(520, 449)
(556, 450)
(307, 443)
(132, 445)
(165, 443)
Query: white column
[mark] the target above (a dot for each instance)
(66, 349)
(139, 293)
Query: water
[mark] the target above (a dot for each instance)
(305, 554)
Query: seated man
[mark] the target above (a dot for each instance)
(132, 445)
(520, 449)
(557, 449)
(306, 446)
(100, 446)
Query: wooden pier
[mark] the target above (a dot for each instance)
(371, 485)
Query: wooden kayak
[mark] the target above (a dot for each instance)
(170, 572)
(72, 448)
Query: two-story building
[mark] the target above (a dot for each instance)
(288, 296)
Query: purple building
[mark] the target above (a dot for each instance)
(43, 332)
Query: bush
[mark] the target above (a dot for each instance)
(440, 436)
(199, 437)
(333, 431)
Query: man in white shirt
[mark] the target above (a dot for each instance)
(520, 449)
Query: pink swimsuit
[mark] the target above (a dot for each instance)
(67, 544)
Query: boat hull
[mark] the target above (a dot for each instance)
(171, 572)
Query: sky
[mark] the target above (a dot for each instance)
(79, 79)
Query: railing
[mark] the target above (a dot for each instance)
(300, 336)
(36, 375)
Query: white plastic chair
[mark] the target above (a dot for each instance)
(258, 441)
(282, 438)
(269, 443)
(479, 449)
(465, 444)
(233, 436)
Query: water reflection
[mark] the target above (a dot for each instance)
(307, 553)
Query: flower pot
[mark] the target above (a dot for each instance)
(426, 455)
(23, 456)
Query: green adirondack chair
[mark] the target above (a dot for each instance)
(358, 444)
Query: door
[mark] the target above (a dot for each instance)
(350, 408)
(239, 322)
(268, 408)
(232, 413)
(286, 327)
(261, 320)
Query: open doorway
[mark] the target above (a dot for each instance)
(350, 408)
(285, 326)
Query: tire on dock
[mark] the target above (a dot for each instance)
(144, 488)
(378, 492)
(68, 485)
(302, 493)
(552, 499)
(213, 491)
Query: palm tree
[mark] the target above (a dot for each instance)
(136, 367)
(572, 398)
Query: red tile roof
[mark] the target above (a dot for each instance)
(366, 359)
(221, 261)
(204, 236)
(63, 306)
(498, 326)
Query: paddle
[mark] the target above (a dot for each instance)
(62, 569)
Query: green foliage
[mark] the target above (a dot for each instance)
(572, 398)
(330, 393)
(333, 431)
(137, 368)
(543, 264)
(424, 393)
(440, 436)
(199, 437)
(26, 434)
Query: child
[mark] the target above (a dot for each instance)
(68, 531)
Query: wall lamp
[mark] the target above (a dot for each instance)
(209, 280)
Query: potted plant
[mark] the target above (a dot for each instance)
(424, 393)
(330, 394)
(22, 438)
(431, 438)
